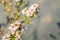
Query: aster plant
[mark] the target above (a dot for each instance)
(19, 14)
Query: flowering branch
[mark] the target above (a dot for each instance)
(18, 17)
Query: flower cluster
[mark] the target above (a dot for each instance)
(18, 18)
(15, 31)
(31, 11)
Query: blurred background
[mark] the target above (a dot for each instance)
(45, 27)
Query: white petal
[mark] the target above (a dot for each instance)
(15, 28)
(12, 24)
(10, 28)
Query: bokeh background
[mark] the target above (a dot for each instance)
(45, 26)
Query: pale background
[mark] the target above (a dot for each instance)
(45, 24)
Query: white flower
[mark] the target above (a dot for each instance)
(17, 0)
(10, 28)
(30, 11)
(24, 11)
(15, 28)
(12, 24)
(29, 14)
(34, 6)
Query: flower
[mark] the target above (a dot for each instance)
(10, 28)
(17, 0)
(16, 29)
(14, 26)
(34, 6)
(24, 11)
(31, 11)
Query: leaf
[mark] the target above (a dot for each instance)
(26, 20)
(16, 15)
(32, 16)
